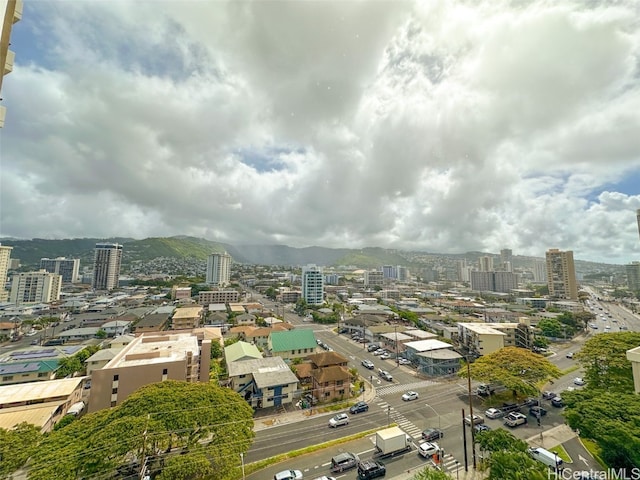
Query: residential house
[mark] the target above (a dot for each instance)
(292, 344)
(186, 318)
(241, 351)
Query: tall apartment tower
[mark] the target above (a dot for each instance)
(35, 287)
(506, 259)
(312, 285)
(486, 263)
(633, 276)
(373, 278)
(106, 266)
(69, 268)
(540, 271)
(5, 254)
(561, 275)
(218, 269)
(10, 13)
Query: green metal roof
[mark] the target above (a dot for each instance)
(293, 340)
(240, 350)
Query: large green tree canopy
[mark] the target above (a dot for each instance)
(199, 421)
(518, 369)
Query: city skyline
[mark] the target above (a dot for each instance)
(444, 127)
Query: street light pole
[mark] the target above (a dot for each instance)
(473, 423)
(242, 461)
(434, 411)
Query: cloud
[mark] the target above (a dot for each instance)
(436, 126)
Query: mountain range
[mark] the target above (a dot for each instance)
(31, 251)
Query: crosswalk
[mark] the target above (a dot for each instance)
(402, 421)
(450, 464)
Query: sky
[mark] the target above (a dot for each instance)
(437, 126)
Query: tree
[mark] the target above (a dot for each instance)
(16, 446)
(516, 465)
(584, 318)
(609, 418)
(186, 467)
(604, 358)
(550, 327)
(68, 366)
(201, 420)
(499, 440)
(518, 369)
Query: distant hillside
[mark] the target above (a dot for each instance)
(372, 258)
(171, 247)
(286, 256)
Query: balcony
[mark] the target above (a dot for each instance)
(8, 65)
(17, 14)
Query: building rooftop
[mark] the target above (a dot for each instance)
(38, 415)
(241, 351)
(150, 349)
(293, 340)
(267, 372)
(427, 345)
(187, 312)
(482, 328)
(442, 354)
(38, 391)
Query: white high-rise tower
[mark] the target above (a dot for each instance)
(106, 266)
(218, 269)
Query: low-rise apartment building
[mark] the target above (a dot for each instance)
(263, 382)
(218, 296)
(186, 318)
(484, 338)
(148, 359)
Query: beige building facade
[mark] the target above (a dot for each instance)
(148, 359)
(5, 257)
(186, 318)
(561, 275)
(35, 287)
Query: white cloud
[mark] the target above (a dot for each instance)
(439, 126)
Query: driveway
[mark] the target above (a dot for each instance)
(582, 459)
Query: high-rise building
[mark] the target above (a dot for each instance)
(218, 269)
(5, 254)
(390, 271)
(35, 287)
(506, 260)
(633, 276)
(503, 282)
(486, 263)
(540, 271)
(638, 219)
(312, 285)
(69, 268)
(106, 266)
(402, 273)
(10, 13)
(373, 278)
(561, 274)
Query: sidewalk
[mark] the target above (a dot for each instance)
(553, 437)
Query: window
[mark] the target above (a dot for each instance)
(165, 371)
(114, 391)
(326, 394)
(241, 376)
(7, 378)
(116, 378)
(339, 383)
(341, 392)
(113, 403)
(326, 384)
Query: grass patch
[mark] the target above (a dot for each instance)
(593, 448)
(562, 453)
(259, 465)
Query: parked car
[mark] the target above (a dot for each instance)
(339, 419)
(386, 375)
(368, 364)
(537, 411)
(288, 475)
(410, 395)
(359, 407)
(509, 407)
(481, 428)
(570, 355)
(385, 356)
(431, 434)
(378, 351)
(373, 347)
(548, 395)
(403, 361)
(557, 402)
(579, 381)
(515, 419)
(477, 419)
(531, 402)
(494, 413)
(428, 449)
(485, 389)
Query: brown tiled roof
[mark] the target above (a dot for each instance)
(303, 370)
(324, 359)
(282, 326)
(246, 329)
(331, 374)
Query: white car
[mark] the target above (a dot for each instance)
(494, 413)
(579, 381)
(410, 395)
(428, 449)
(339, 419)
(288, 475)
(380, 351)
(403, 361)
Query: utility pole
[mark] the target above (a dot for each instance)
(473, 423)
(464, 443)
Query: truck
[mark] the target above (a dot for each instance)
(485, 389)
(391, 441)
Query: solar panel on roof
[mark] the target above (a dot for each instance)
(19, 368)
(38, 354)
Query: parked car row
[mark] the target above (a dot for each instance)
(367, 469)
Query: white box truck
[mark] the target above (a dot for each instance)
(391, 441)
(550, 459)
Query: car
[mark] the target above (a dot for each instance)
(493, 413)
(482, 428)
(288, 475)
(531, 402)
(557, 402)
(31, 333)
(339, 419)
(514, 419)
(477, 419)
(410, 395)
(570, 355)
(378, 351)
(537, 411)
(579, 381)
(368, 364)
(431, 434)
(324, 477)
(372, 347)
(593, 326)
(404, 361)
(548, 395)
(359, 407)
(428, 449)
(386, 375)
(385, 356)
(607, 328)
(344, 461)
(484, 390)
(35, 342)
(370, 469)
